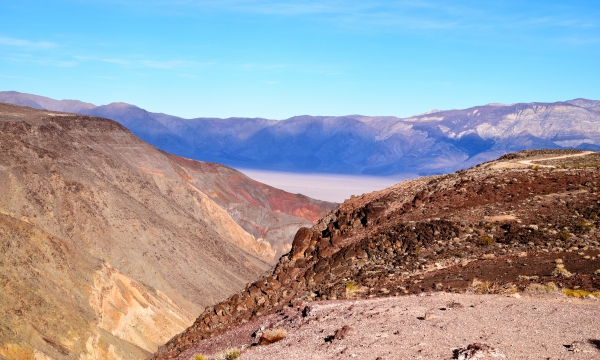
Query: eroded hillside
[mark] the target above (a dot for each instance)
(109, 245)
(525, 221)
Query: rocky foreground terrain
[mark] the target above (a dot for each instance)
(523, 224)
(109, 246)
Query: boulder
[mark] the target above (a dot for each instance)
(300, 243)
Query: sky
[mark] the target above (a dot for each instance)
(277, 59)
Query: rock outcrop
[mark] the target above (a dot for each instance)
(468, 231)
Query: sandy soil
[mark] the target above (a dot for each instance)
(534, 326)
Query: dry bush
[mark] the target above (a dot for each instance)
(586, 226)
(353, 290)
(272, 336)
(200, 357)
(539, 288)
(229, 354)
(577, 293)
(560, 271)
(487, 240)
(564, 236)
(480, 287)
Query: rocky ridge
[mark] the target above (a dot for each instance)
(527, 220)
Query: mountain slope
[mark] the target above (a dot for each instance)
(495, 228)
(109, 246)
(435, 142)
(265, 212)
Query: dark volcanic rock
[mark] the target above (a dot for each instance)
(495, 228)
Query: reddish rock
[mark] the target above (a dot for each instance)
(300, 243)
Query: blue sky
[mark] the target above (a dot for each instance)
(277, 59)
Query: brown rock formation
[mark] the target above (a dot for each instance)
(109, 246)
(498, 227)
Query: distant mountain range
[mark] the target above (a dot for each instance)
(434, 142)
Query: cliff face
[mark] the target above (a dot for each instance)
(495, 228)
(109, 245)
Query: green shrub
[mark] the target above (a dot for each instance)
(233, 354)
(586, 226)
(564, 236)
(487, 240)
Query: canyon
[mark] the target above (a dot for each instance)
(111, 246)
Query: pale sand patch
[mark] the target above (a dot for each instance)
(329, 187)
(500, 218)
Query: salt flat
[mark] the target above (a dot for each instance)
(329, 187)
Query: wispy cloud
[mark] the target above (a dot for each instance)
(26, 43)
(434, 15)
(64, 62)
(169, 64)
(148, 63)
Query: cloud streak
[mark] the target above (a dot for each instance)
(22, 43)
(428, 14)
(148, 63)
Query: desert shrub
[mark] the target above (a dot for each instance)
(564, 236)
(233, 354)
(353, 290)
(527, 278)
(585, 225)
(578, 293)
(229, 354)
(200, 357)
(561, 271)
(480, 287)
(272, 336)
(537, 288)
(486, 240)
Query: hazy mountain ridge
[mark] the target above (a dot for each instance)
(437, 141)
(111, 245)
